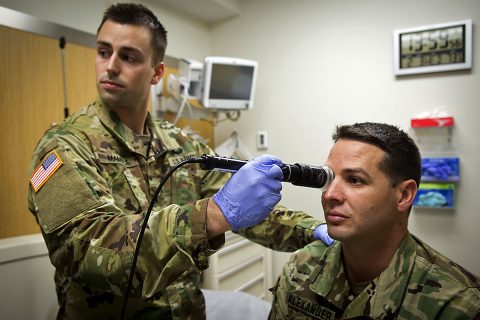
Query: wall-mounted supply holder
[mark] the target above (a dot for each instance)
(440, 173)
(435, 195)
(432, 122)
(433, 133)
(440, 169)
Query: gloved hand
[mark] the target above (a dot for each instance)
(251, 193)
(321, 233)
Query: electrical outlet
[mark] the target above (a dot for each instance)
(262, 140)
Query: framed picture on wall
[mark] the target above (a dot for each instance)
(433, 48)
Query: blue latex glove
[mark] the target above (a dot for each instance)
(251, 193)
(321, 233)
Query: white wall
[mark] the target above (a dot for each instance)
(323, 63)
(329, 62)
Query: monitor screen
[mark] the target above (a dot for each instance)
(231, 82)
(228, 83)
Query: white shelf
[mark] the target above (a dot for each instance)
(241, 265)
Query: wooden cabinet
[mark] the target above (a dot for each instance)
(31, 100)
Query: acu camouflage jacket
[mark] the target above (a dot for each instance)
(418, 284)
(91, 208)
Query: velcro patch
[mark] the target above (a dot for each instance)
(173, 161)
(308, 307)
(45, 170)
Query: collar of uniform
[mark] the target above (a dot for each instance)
(385, 292)
(329, 280)
(113, 124)
(166, 132)
(124, 134)
(389, 287)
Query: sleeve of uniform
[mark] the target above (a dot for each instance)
(283, 230)
(465, 305)
(92, 240)
(212, 181)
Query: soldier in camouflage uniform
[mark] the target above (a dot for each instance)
(94, 176)
(376, 269)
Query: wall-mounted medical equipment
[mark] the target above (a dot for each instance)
(190, 77)
(228, 83)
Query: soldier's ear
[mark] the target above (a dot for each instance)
(406, 192)
(159, 69)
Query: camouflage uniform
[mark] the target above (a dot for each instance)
(91, 209)
(419, 283)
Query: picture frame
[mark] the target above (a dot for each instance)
(433, 48)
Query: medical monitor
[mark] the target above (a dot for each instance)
(228, 83)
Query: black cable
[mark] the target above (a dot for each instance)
(144, 226)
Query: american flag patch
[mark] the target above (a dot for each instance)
(45, 170)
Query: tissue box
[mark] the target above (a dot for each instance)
(440, 169)
(435, 195)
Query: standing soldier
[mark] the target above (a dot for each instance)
(94, 175)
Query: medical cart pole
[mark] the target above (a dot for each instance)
(62, 46)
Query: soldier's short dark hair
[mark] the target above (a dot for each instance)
(137, 14)
(402, 159)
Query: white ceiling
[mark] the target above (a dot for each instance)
(209, 11)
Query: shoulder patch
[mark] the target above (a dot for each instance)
(45, 170)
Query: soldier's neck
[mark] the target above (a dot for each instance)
(364, 261)
(133, 118)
